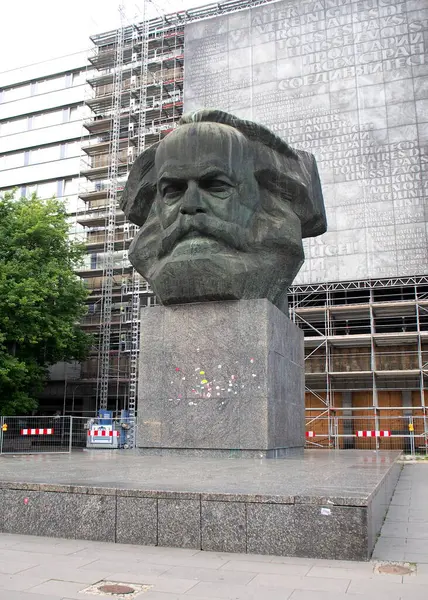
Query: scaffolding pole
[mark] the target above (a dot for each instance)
(108, 266)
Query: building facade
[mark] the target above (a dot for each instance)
(41, 112)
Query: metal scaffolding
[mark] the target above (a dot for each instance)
(366, 350)
(107, 287)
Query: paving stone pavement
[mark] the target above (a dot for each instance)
(404, 535)
(35, 568)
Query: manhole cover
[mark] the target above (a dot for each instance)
(116, 588)
(394, 570)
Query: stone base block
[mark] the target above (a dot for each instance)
(221, 377)
(322, 505)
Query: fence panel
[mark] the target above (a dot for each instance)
(34, 435)
(367, 432)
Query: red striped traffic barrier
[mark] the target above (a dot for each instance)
(103, 433)
(37, 431)
(375, 433)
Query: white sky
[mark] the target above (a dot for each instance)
(37, 30)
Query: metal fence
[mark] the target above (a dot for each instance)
(56, 434)
(60, 434)
(408, 434)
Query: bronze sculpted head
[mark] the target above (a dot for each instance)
(222, 205)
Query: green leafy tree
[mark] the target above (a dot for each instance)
(41, 298)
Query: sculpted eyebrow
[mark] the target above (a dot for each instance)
(170, 178)
(208, 171)
(215, 173)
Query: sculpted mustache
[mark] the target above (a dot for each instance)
(233, 235)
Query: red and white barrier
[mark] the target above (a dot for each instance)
(310, 434)
(37, 431)
(103, 433)
(373, 433)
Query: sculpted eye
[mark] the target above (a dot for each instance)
(213, 184)
(175, 188)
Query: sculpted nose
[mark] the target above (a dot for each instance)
(192, 202)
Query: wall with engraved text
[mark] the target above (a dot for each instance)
(348, 81)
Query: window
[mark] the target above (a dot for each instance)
(71, 186)
(79, 78)
(16, 93)
(11, 161)
(23, 191)
(31, 189)
(68, 80)
(37, 121)
(59, 188)
(33, 88)
(47, 189)
(46, 154)
(50, 85)
(26, 158)
(65, 115)
(73, 149)
(51, 118)
(13, 126)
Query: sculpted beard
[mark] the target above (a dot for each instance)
(232, 235)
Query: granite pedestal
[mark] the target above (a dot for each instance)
(217, 377)
(324, 504)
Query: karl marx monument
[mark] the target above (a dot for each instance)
(222, 204)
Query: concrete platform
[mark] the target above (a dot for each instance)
(325, 504)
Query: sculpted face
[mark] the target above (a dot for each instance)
(219, 226)
(206, 195)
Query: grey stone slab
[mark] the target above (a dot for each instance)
(77, 489)
(158, 494)
(11, 567)
(200, 574)
(266, 567)
(58, 515)
(216, 590)
(371, 95)
(336, 532)
(223, 526)
(179, 523)
(51, 571)
(188, 477)
(209, 453)
(19, 485)
(309, 583)
(323, 497)
(20, 582)
(60, 588)
(270, 529)
(15, 595)
(136, 521)
(258, 498)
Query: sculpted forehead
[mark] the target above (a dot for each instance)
(202, 143)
